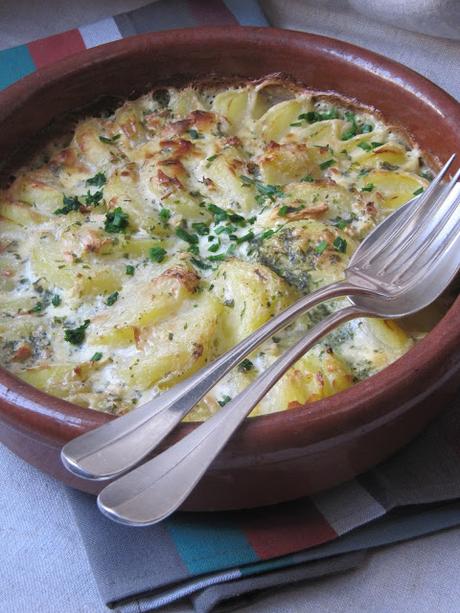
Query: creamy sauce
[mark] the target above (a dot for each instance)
(160, 236)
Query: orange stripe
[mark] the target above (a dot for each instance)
(49, 50)
(283, 529)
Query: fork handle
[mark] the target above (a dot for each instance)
(156, 489)
(117, 446)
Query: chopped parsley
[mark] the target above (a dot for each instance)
(116, 221)
(98, 180)
(56, 300)
(157, 254)
(71, 203)
(96, 357)
(109, 141)
(340, 244)
(321, 247)
(93, 199)
(245, 366)
(112, 299)
(129, 270)
(76, 336)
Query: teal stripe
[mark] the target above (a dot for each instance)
(15, 63)
(206, 546)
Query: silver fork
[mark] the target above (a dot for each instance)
(116, 447)
(404, 275)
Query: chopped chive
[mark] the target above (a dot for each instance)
(200, 264)
(129, 270)
(157, 254)
(246, 237)
(96, 357)
(215, 247)
(200, 228)
(186, 236)
(368, 187)
(307, 179)
(326, 164)
(109, 141)
(217, 258)
(219, 214)
(418, 191)
(112, 299)
(56, 300)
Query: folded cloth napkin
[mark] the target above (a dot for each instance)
(213, 558)
(210, 560)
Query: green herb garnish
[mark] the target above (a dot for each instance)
(418, 191)
(157, 254)
(129, 270)
(340, 244)
(96, 357)
(307, 179)
(200, 228)
(368, 188)
(321, 247)
(200, 264)
(112, 299)
(98, 180)
(116, 221)
(165, 215)
(225, 399)
(245, 366)
(109, 141)
(71, 203)
(56, 300)
(219, 214)
(186, 236)
(326, 164)
(76, 336)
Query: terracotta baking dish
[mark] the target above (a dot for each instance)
(289, 454)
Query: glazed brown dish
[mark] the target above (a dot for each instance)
(283, 455)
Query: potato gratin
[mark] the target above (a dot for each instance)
(156, 238)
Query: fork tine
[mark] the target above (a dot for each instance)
(424, 256)
(410, 244)
(418, 208)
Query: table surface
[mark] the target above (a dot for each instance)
(43, 565)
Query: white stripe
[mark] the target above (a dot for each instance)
(348, 506)
(100, 32)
